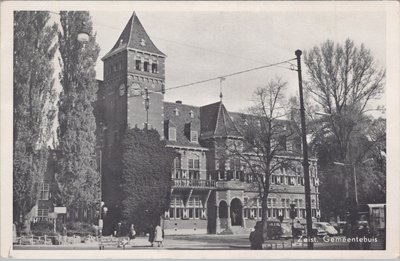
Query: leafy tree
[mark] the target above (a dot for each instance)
(34, 95)
(265, 135)
(342, 79)
(78, 178)
(146, 177)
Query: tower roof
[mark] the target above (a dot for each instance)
(134, 36)
(216, 122)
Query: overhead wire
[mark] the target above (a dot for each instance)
(229, 75)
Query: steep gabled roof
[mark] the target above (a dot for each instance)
(181, 121)
(133, 36)
(216, 122)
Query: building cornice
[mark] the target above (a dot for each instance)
(187, 148)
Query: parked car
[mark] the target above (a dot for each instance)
(274, 229)
(327, 227)
(317, 231)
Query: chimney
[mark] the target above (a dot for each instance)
(178, 102)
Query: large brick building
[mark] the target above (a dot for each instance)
(210, 193)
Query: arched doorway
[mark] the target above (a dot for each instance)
(223, 209)
(236, 212)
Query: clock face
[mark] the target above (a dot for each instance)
(121, 89)
(135, 89)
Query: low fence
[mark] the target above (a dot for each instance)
(53, 240)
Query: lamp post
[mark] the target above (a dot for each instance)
(353, 166)
(292, 216)
(305, 154)
(147, 106)
(102, 207)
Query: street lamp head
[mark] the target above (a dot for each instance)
(84, 33)
(298, 52)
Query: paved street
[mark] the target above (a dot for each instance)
(200, 242)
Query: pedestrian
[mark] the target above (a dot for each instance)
(158, 237)
(151, 234)
(365, 233)
(118, 233)
(64, 232)
(132, 234)
(256, 237)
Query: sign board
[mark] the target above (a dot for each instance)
(60, 210)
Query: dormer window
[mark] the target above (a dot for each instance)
(176, 111)
(172, 134)
(191, 114)
(194, 136)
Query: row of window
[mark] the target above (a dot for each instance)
(256, 213)
(273, 203)
(146, 66)
(186, 213)
(194, 201)
(236, 164)
(194, 137)
(275, 179)
(43, 213)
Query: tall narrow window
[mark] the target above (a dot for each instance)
(193, 136)
(154, 68)
(172, 134)
(146, 66)
(194, 168)
(44, 192)
(137, 65)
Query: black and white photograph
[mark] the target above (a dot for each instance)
(226, 129)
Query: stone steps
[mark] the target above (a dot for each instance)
(235, 230)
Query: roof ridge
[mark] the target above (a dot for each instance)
(130, 29)
(223, 118)
(216, 123)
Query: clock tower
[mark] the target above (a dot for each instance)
(134, 69)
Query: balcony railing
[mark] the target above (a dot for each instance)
(193, 183)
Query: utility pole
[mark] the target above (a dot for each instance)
(305, 154)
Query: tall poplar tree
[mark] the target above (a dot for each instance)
(34, 49)
(78, 177)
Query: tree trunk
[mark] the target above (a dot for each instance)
(264, 218)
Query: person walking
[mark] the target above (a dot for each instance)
(256, 237)
(159, 236)
(151, 234)
(118, 233)
(132, 234)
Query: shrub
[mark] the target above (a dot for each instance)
(80, 229)
(42, 227)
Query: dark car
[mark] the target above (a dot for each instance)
(274, 229)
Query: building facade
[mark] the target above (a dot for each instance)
(211, 192)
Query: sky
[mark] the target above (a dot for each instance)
(205, 44)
